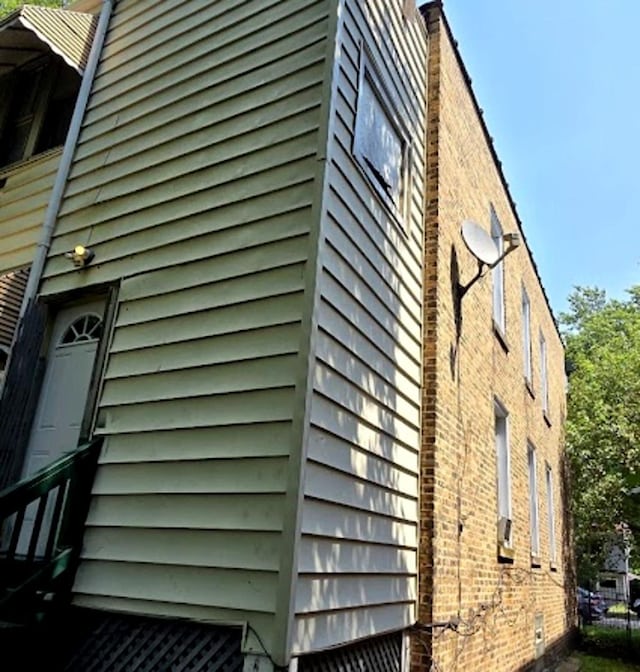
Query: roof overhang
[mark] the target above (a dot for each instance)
(31, 31)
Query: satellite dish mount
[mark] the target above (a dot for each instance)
(483, 247)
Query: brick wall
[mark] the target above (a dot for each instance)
(467, 365)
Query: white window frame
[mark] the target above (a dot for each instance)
(370, 73)
(551, 515)
(534, 516)
(503, 470)
(526, 336)
(544, 380)
(497, 274)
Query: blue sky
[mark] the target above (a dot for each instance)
(560, 87)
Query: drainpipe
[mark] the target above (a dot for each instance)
(67, 155)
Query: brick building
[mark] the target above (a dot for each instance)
(495, 567)
(299, 463)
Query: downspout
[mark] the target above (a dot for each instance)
(51, 215)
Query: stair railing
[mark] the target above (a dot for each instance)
(39, 555)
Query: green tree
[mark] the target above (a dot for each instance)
(602, 340)
(8, 6)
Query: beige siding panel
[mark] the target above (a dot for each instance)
(203, 586)
(256, 374)
(264, 221)
(336, 487)
(23, 203)
(209, 100)
(194, 182)
(186, 57)
(246, 316)
(406, 402)
(322, 630)
(210, 296)
(153, 147)
(379, 414)
(258, 343)
(237, 441)
(257, 551)
(331, 556)
(226, 409)
(334, 521)
(12, 286)
(189, 512)
(321, 593)
(325, 448)
(333, 419)
(257, 475)
(390, 363)
(361, 477)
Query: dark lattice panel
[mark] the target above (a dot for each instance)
(133, 644)
(378, 654)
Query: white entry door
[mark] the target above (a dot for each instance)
(63, 398)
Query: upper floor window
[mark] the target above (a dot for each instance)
(36, 105)
(526, 335)
(533, 502)
(498, 274)
(503, 461)
(544, 383)
(380, 144)
(551, 515)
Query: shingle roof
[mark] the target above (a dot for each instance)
(30, 30)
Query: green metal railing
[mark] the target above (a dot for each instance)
(39, 555)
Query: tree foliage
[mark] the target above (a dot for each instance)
(8, 6)
(602, 340)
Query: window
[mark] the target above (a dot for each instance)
(526, 335)
(498, 274)
(543, 374)
(551, 516)
(379, 145)
(503, 459)
(533, 502)
(36, 105)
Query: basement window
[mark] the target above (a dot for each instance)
(380, 145)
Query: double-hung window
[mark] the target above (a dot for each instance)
(533, 503)
(551, 516)
(526, 336)
(497, 274)
(380, 144)
(503, 463)
(544, 382)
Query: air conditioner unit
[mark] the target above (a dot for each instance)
(504, 530)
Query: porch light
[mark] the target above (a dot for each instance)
(81, 256)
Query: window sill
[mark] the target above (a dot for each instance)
(553, 567)
(501, 336)
(529, 386)
(506, 555)
(17, 166)
(536, 561)
(546, 417)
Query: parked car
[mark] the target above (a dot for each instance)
(591, 606)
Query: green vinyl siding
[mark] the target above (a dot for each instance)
(194, 181)
(360, 518)
(23, 202)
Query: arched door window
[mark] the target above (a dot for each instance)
(82, 330)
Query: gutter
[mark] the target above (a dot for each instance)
(64, 168)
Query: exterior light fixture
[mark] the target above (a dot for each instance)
(81, 256)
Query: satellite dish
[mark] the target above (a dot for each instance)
(479, 243)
